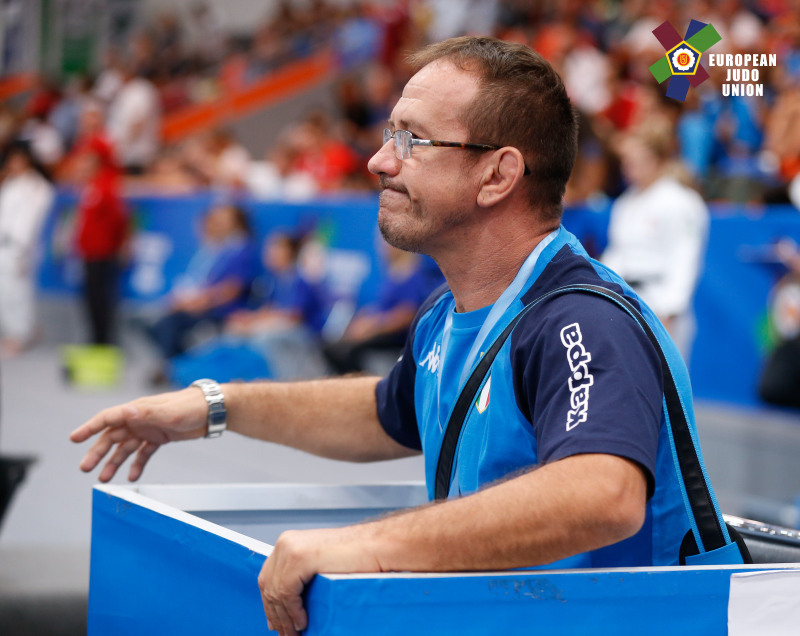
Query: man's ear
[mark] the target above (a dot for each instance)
(501, 176)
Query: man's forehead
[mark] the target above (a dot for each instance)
(436, 92)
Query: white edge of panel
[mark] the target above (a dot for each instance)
(280, 496)
(131, 495)
(753, 567)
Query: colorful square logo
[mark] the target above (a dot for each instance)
(681, 62)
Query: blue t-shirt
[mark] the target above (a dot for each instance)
(410, 290)
(233, 260)
(294, 293)
(578, 375)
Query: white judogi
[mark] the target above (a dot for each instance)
(24, 203)
(656, 242)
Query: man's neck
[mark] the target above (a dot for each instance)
(480, 272)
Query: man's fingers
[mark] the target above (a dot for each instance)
(100, 449)
(108, 418)
(146, 451)
(298, 616)
(98, 423)
(123, 451)
(97, 451)
(280, 619)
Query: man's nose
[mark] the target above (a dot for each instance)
(384, 160)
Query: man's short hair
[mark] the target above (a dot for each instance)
(521, 102)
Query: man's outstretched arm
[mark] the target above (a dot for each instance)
(334, 418)
(570, 506)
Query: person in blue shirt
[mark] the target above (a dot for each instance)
(216, 282)
(279, 339)
(383, 325)
(564, 458)
(285, 329)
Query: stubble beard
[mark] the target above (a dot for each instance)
(401, 229)
(413, 229)
(398, 233)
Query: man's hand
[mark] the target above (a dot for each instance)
(141, 427)
(297, 557)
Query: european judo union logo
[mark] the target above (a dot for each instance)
(681, 63)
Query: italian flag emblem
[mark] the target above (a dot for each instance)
(483, 398)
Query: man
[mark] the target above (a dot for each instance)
(134, 121)
(576, 390)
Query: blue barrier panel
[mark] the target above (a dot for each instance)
(731, 302)
(158, 569)
(648, 601)
(167, 231)
(145, 573)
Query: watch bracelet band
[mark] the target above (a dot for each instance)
(217, 413)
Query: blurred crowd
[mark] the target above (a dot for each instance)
(104, 136)
(741, 149)
(230, 315)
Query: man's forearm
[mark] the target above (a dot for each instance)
(335, 418)
(568, 507)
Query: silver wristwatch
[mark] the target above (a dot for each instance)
(217, 414)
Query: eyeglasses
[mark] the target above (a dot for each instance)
(404, 141)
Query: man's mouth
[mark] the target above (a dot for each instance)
(386, 185)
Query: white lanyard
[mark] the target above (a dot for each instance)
(498, 310)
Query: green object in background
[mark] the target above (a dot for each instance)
(70, 35)
(93, 366)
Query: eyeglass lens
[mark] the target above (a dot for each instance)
(402, 142)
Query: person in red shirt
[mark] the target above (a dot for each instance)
(101, 234)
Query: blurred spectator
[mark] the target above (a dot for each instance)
(172, 173)
(217, 282)
(590, 181)
(285, 329)
(780, 378)
(219, 160)
(91, 131)
(66, 114)
(44, 97)
(25, 198)
(101, 237)
(206, 39)
(323, 153)
(794, 191)
(292, 300)
(276, 176)
(110, 79)
(586, 72)
(134, 122)
(8, 125)
(383, 326)
(782, 134)
(165, 43)
(283, 333)
(459, 17)
(657, 233)
(45, 142)
(739, 149)
(738, 132)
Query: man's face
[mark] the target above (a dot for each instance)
(425, 199)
